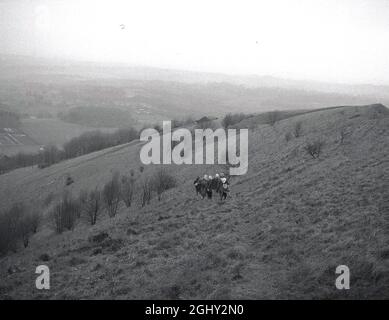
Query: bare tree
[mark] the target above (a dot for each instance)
(111, 195)
(93, 206)
(17, 224)
(10, 228)
(127, 190)
(65, 213)
(25, 228)
(163, 181)
(146, 192)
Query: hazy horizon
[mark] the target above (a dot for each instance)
(327, 41)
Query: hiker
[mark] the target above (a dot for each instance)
(209, 187)
(197, 185)
(224, 188)
(216, 183)
(202, 186)
(206, 185)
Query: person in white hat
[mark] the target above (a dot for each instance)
(225, 188)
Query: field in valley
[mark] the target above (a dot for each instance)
(35, 133)
(54, 131)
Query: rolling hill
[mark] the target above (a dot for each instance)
(49, 87)
(285, 227)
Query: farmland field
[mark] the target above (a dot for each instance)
(53, 131)
(35, 133)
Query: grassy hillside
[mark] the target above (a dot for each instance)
(287, 225)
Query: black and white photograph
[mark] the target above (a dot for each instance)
(194, 151)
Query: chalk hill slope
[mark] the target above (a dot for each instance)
(290, 221)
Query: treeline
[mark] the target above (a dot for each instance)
(18, 224)
(96, 140)
(231, 119)
(84, 144)
(92, 204)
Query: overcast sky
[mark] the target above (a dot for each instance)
(330, 40)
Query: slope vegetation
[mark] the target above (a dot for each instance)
(288, 223)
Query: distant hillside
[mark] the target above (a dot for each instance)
(45, 88)
(14, 67)
(286, 226)
(98, 117)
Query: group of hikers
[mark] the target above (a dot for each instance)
(206, 185)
